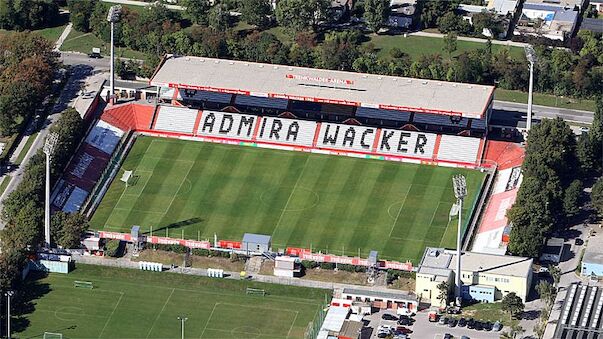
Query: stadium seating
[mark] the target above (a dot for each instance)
(176, 119)
(104, 137)
(337, 109)
(479, 124)
(253, 101)
(82, 165)
(287, 131)
(196, 95)
(305, 106)
(457, 148)
(382, 114)
(75, 200)
(439, 120)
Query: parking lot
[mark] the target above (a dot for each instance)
(422, 328)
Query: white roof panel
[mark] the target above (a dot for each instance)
(325, 86)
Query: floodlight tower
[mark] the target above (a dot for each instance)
(113, 17)
(8, 294)
(49, 145)
(531, 56)
(182, 320)
(460, 192)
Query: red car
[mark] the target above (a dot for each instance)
(402, 329)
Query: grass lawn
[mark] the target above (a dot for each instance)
(488, 312)
(140, 304)
(84, 42)
(416, 46)
(325, 202)
(4, 183)
(545, 100)
(28, 143)
(50, 33)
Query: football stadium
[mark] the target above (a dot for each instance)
(321, 161)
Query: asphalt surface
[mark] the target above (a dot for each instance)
(513, 114)
(78, 73)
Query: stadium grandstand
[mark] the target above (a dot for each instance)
(298, 109)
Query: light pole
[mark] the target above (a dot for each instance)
(531, 56)
(113, 17)
(460, 191)
(8, 295)
(49, 145)
(182, 320)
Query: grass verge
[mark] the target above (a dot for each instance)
(545, 100)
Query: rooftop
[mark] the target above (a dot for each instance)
(581, 313)
(327, 86)
(256, 238)
(379, 294)
(563, 3)
(437, 260)
(594, 250)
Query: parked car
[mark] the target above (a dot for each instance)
(404, 321)
(387, 316)
(464, 337)
(452, 322)
(497, 326)
(479, 325)
(578, 242)
(447, 336)
(462, 322)
(488, 326)
(453, 310)
(403, 330)
(444, 321)
(433, 316)
(471, 323)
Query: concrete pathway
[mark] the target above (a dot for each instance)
(63, 36)
(464, 38)
(141, 3)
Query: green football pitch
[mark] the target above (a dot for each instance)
(331, 203)
(126, 303)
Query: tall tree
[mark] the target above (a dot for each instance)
(301, 15)
(586, 154)
(512, 304)
(450, 43)
(219, 17)
(80, 12)
(546, 291)
(443, 292)
(376, 13)
(256, 12)
(68, 228)
(596, 196)
(196, 10)
(572, 198)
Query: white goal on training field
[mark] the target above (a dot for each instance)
(256, 291)
(129, 178)
(50, 335)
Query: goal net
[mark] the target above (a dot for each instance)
(83, 284)
(256, 291)
(129, 178)
(50, 335)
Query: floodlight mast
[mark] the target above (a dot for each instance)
(8, 294)
(531, 56)
(182, 320)
(49, 145)
(460, 192)
(113, 17)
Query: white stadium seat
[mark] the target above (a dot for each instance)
(176, 119)
(457, 148)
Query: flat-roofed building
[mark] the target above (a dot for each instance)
(592, 262)
(323, 86)
(485, 277)
(581, 313)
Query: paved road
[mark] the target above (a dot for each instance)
(510, 113)
(81, 59)
(69, 92)
(141, 3)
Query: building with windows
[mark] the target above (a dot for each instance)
(485, 277)
(592, 262)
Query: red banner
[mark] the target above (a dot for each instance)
(306, 254)
(229, 244)
(407, 266)
(115, 235)
(296, 251)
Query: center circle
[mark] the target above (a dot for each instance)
(394, 209)
(64, 313)
(246, 332)
(294, 202)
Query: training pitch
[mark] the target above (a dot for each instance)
(324, 202)
(127, 303)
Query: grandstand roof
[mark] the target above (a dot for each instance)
(321, 85)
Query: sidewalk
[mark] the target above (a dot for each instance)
(464, 38)
(142, 3)
(63, 36)
(126, 263)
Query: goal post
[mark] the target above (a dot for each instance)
(83, 284)
(255, 291)
(129, 178)
(51, 335)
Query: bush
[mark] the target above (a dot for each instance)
(112, 248)
(307, 264)
(351, 268)
(327, 266)
(171, 248)
(393, 275)
(201, 252)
